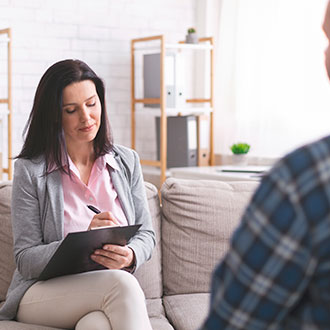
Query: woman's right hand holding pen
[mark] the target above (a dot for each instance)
(104, 219)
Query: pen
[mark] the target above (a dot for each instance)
(94, 209)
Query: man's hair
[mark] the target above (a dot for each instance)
(43, 132)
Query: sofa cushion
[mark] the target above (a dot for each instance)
(157, 315)
(160, 323)
(149, 274)
(7, 261)
(199, 217)
(187, 311)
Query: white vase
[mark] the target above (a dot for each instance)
(239, 159)
(192, 38)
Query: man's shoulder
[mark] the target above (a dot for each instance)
(311, 157)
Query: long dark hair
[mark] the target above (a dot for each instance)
(43, 132)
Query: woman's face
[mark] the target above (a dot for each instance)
(81, 117)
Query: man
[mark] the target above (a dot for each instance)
(276, 274)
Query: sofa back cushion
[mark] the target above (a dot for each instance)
(149, 274)
(199, 218)
(7, 262)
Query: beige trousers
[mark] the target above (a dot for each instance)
(100, 300)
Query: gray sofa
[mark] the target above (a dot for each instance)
(193, 228)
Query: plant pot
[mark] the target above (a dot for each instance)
(239, 159)
(192, 38)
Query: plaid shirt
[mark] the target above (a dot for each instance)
(276, 274)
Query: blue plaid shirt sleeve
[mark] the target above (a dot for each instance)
(271, 261)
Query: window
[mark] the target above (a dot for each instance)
(271, 87)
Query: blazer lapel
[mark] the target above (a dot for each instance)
(122, 188)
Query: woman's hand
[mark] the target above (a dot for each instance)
(103, 219)
(114, 256)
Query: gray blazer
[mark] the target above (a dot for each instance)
(38, 215)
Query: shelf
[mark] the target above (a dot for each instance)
(157, 101)
(189, 46)
(184, 107)
(176, 111)
(150, 162)
(199, 101)
(147, 101)
(178, 46)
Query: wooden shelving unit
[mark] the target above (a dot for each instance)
(204, 44)
(5, 37)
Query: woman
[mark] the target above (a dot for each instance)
(68, 161)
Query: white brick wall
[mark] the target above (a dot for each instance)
(98, 32)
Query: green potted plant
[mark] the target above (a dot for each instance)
(239, 151)
(191, 37)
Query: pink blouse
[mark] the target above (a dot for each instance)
(99, 192)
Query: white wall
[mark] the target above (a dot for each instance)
(97, 32)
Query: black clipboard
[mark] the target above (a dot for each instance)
(73, 255)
